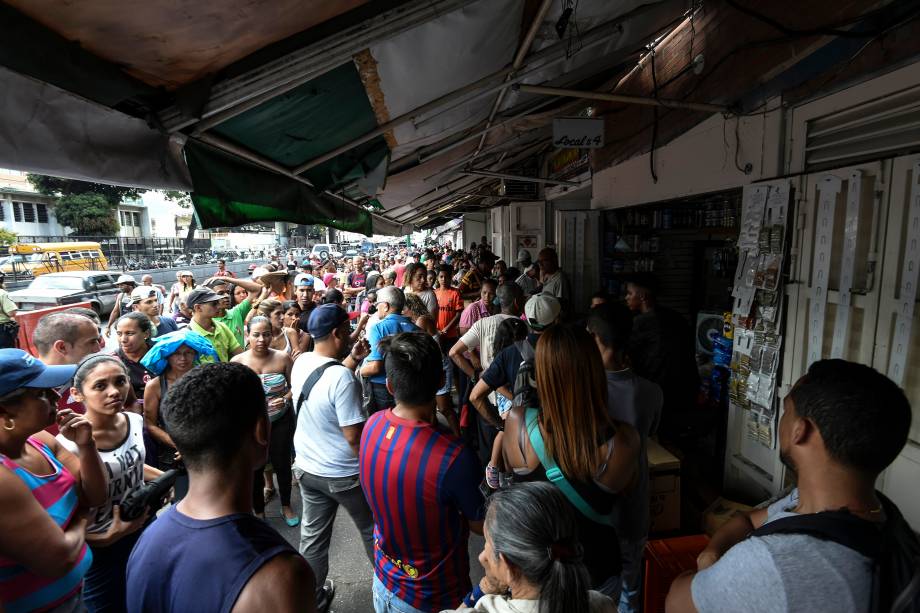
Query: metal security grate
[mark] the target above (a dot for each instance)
(881, 128)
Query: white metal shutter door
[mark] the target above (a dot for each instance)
(499, 218)
(898, 331)
(578, 237)
(836, 303)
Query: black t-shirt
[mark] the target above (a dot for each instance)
(138, 375)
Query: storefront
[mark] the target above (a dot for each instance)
(821, 263)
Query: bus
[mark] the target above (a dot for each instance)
(29, 260)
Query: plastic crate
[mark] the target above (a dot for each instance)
(665, 559)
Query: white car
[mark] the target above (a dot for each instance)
(325, 251)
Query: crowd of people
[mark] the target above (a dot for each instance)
(432, 393)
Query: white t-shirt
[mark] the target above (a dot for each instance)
(124, 466)
(482, 336)
(335, 401)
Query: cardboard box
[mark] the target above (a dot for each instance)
(664, 488)
(719, 512)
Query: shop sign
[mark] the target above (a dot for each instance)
(579, 132)
(566, 162)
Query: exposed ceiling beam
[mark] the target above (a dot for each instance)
(501, 175)
(608, 97)
(295, 69)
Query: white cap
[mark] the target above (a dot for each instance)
(125, 279)
(542, 310)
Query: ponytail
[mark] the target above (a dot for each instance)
(533, 527)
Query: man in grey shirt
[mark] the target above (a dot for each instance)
(842, 425)
(637, 402)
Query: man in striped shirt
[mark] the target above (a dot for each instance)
(422, 485)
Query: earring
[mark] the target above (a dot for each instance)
(9, 425)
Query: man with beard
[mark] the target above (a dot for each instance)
(330, 419)
(842, 425)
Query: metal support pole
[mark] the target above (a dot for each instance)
(515, 66)
(607, 97)
(501, 175)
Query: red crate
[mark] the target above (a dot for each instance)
(664, 560)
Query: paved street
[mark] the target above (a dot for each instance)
(348, 565)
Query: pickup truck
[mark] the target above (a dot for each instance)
(60, 288)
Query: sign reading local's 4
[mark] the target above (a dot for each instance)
(578, 132)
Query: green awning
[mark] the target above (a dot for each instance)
(311, 120)
(229, 191)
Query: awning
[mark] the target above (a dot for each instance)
(368, 116)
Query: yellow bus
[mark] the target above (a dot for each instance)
(27, 260)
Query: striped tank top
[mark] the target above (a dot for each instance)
(21, 589)
(275, 385)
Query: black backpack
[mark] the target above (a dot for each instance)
(524, 392)
(311, 382)
(892, 546)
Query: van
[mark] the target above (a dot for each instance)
(27, 260)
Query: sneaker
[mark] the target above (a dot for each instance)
(326, 594)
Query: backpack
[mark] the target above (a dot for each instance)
(892, 546)
(524, 391)
(310, 383)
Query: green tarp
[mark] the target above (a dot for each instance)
(310, 120)
(229, 191)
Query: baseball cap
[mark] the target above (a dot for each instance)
(142, 292)
(542, 310)
(303, 280)
(325, 318)
(523, 256)
(201, 295)
(125, 279)
(19, 369)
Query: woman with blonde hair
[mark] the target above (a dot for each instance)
(572, 442)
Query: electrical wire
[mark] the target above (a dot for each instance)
(651, 153)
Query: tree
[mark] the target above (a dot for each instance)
(88, 208)
(7, 237)
(87, 213)
(184, 201)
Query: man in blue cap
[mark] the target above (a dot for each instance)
(330, 419)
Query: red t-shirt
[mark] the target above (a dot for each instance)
(450, 302)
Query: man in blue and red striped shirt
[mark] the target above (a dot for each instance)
(422, 485)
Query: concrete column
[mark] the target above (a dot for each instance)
(281, 231)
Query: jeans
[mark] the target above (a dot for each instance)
(279, 454)
(321, 499)
(386, 601)
(381, 398)
(631, 575)
(104, 587)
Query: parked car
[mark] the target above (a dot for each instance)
(324, 251)
(60, 288)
